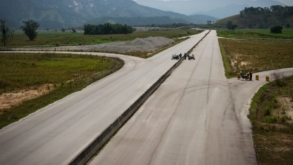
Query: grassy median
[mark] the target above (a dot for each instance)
(29, 82)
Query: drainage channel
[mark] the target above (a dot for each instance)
(84, 156)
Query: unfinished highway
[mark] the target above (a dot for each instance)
(60, 132)
(196, 117)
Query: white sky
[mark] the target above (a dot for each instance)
(194, 6)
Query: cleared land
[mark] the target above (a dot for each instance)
(140, 47)
(60, 38)
(31, 81)
(272, 106)
(258, 55)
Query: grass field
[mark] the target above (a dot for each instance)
(258, 55)
(272, 107)
(255, 34)
(64, 74)
(66, 38)
(272, 124)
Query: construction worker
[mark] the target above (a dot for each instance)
(250, 75)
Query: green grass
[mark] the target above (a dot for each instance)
(272, 128)
(60, 38)
(68, 73)
(227, 62)
(255, 34)
(258, 55)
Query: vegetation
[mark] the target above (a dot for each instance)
(229, 73)
(271, 108)
(258, 55)
(65, 38)
(66, 73)
(6, 33)
(257, 17)
(272, 122)
(276, 29)
(138, 21)
(30, 29)
(230, 25)
(255, 34)
(107, 29)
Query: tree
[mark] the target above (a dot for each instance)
(73, 30)
(6, 33)
(276, 29)
(230, 25)
(30, 29)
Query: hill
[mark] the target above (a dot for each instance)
(257, 17)
(63, 13)
(236, 7)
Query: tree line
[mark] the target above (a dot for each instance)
(107, 28)
(274, 17)
(29, 28)
(275, 10)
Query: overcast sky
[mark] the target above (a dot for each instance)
(195, 6)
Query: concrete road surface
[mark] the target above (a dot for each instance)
(196, 117)
(57, 133)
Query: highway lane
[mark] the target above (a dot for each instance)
(195, 117)
(59, 132)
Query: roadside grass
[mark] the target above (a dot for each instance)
(227, 62)
(257, 55)
(66, 38)
(255, 34)
(272, 122)
(68, 73)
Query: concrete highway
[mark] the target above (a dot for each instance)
(196, 117)
(57, 133)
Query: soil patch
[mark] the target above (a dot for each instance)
(286, 106)
(11, 99)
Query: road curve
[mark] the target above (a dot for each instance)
(196, 117)
(57, 133)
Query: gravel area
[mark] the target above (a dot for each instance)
(149, 44)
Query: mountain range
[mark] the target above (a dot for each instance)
(52, 14)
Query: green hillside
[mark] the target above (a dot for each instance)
(257, 17)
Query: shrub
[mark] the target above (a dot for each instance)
(276, 29)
